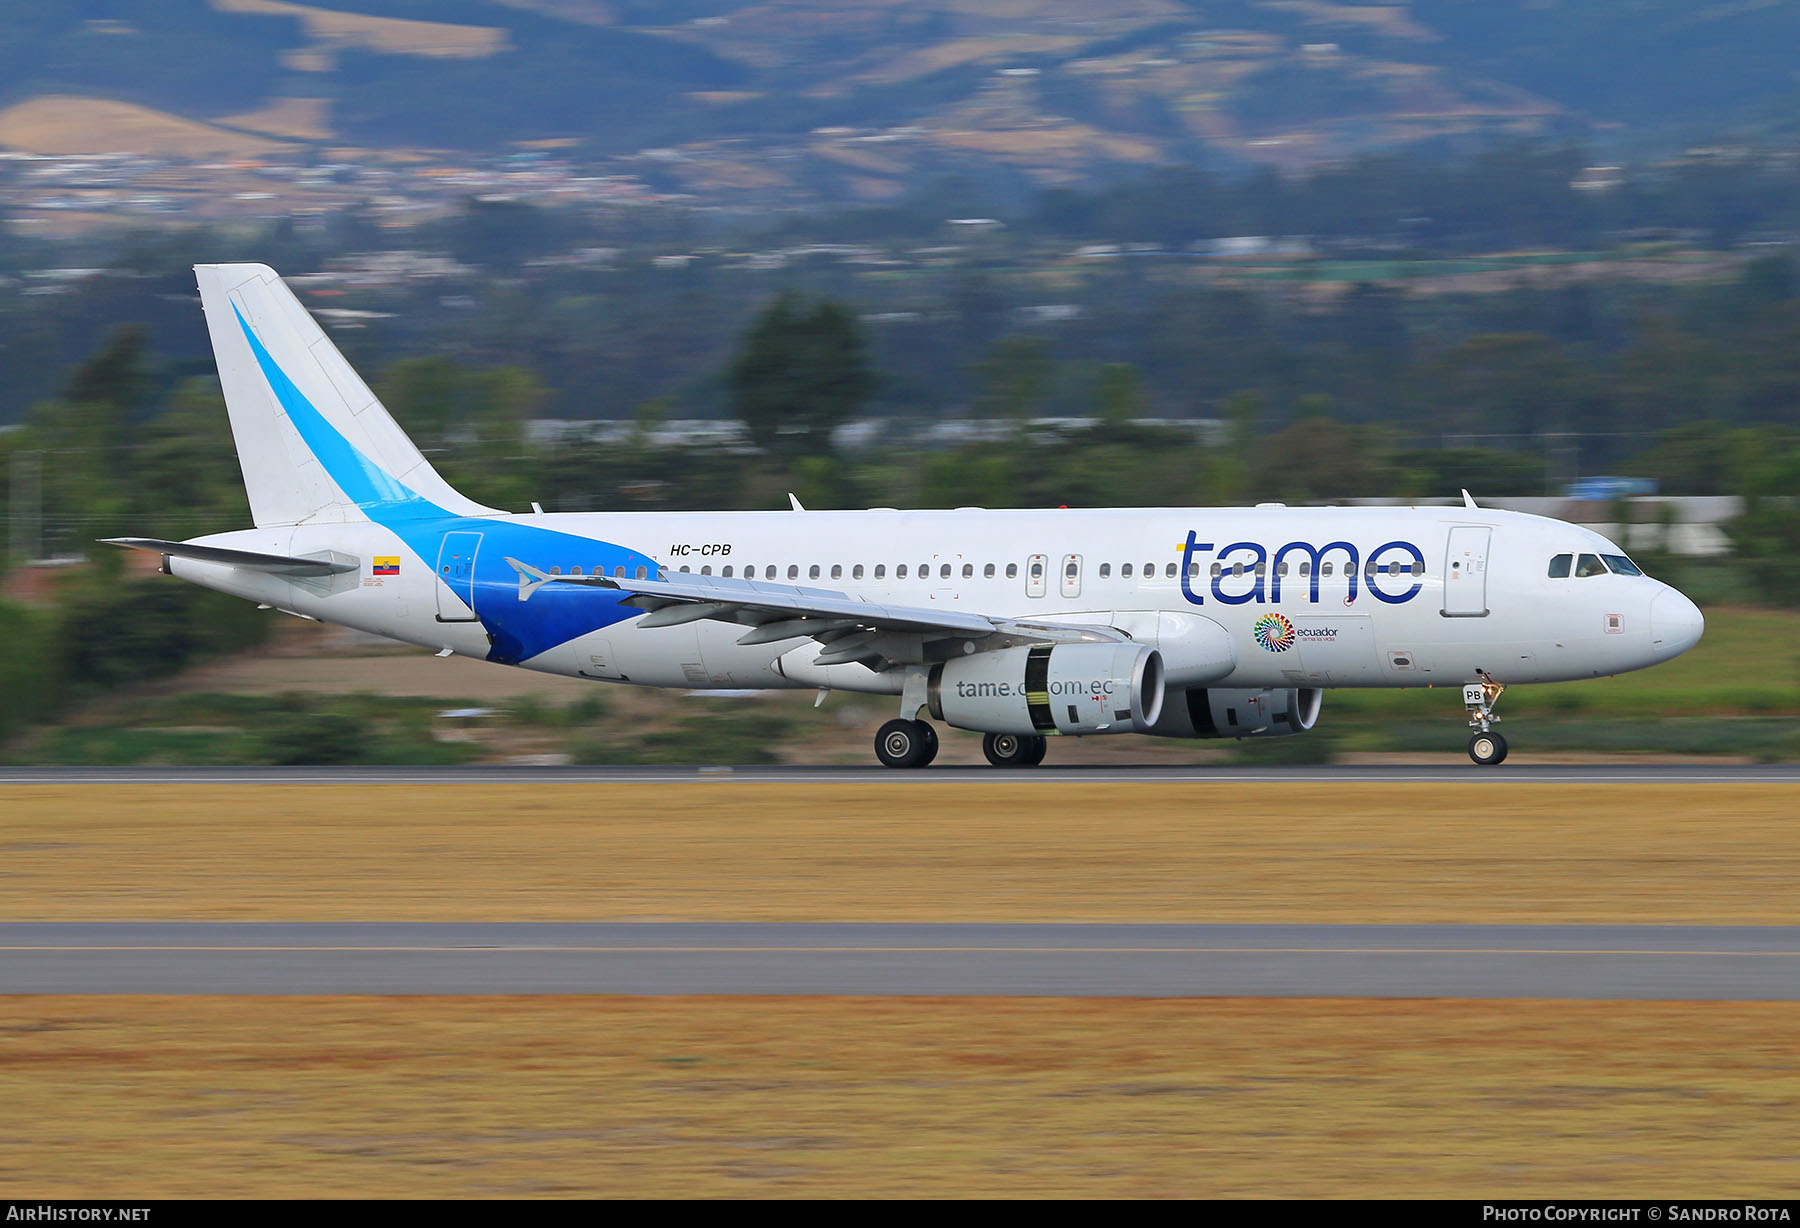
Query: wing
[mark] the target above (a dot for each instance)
(848, 628)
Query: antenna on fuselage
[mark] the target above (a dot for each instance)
(1469, 500)
(794, 499)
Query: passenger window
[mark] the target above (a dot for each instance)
(1149, 572)
(1306, 567)
(837, 571)
(987, 573)
(1325, 568)
(1621, 565)
(1589, 565)
(856, 572)
(727, 572)
(968, 571)
(1217, 571)
(1281, 569)
(618, 573)
(1071, 569)
(1169, 571)
(944, 572)
(1125, 572)
(706, 570)
(556, 571)
(881, 571)
(1237, 569)
(812, 573)
(1194, 570)
(793, 571)
(1418, 568)
(900, 572)
(1262, 569)
(1012, 571)
(684, 567)
(641, 573)
(769, 572)
(924, 571)
(1106, 571)
(1037, 571)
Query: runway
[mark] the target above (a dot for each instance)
(1760, 963)
(1447, 773)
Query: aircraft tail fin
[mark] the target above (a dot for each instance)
(313, 442)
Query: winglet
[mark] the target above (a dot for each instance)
(530, 578)
(794, 500)
(1469, 501)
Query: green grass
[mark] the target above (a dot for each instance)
(215, 728)
(1737, 693)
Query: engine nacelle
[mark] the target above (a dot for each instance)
(1210, 712)
(1051, 688)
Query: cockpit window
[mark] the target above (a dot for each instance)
(1589, 565)
(1621, 565)
(1559, 566)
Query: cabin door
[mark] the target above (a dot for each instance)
(1465, 572)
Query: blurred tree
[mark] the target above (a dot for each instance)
(1015, 378)
(800, 371)
(1319, 459)
(1120, 395)
(1767, 534)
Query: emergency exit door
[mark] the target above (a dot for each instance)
(1465, 572)
(456, 576)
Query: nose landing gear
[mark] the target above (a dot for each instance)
(1486, 747)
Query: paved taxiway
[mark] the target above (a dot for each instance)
(1447, 773)
(1382, 961)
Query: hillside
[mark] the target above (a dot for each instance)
(822, 98)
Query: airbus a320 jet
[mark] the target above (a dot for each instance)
(1023, 625)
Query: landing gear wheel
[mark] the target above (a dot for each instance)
(1487, 749)
(906, 744)
(1013, 749)
(931, 743)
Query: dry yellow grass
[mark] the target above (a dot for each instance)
(1064, 140)
(1392, 20)
(64, 124)
(391, 1097)
(905, 850)
(395, 35)
(300, 119)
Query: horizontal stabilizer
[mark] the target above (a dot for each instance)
(275, 564)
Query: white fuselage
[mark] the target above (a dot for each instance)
(1360, 597)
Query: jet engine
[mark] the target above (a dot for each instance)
(1211, 712)
(1051, 688)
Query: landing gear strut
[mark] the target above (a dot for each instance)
(906, 744)
(1486, 747)
(1014, 749)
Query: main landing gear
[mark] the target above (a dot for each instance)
(1486, 747)
(906, 744)
(1014, 749)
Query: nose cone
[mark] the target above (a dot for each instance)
(1675, 624)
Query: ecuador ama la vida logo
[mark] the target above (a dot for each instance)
(1274, 632)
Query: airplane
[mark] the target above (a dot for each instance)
(1022, 625)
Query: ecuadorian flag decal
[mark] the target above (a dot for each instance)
(387, 564)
